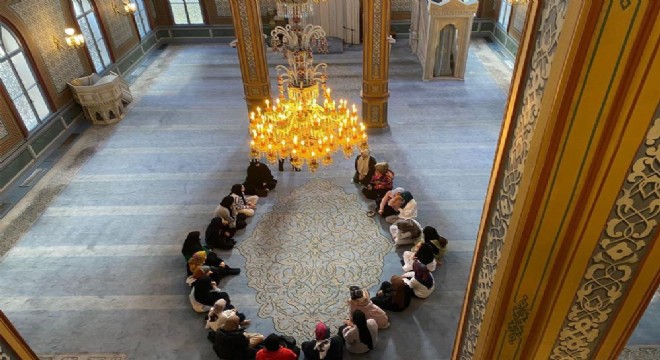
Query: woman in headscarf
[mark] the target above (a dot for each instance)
(206, 292)
(393, 295)
(226, 319)
(422, 252)
(360, 301)
(438, 243)
(421, 282)
(218, 235)
(405, 205)
(243, 204)
(380, 183)
(324, 347)
(389, 204)
(259, 179)
(191, 245)
(199, 261)
(365, 166)
(406, 231)
(360, 335)
(227, 212)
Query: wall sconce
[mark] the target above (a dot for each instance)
(129, 8)
(72, 39)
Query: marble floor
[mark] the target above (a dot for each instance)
(93, 260)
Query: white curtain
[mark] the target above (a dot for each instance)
(337, 18)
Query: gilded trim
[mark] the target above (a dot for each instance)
(246, 39)
(615, 261)
(547, 35)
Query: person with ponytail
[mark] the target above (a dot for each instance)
(360, 335)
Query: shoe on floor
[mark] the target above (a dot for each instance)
(371, 213)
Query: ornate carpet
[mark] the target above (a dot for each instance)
(640, 352)
(306, 252)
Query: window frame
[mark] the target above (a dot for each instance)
(99, 29)
(25, 91)
(504, 14)
(141, 18)
(185, 4)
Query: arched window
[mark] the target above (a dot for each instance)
(142, 19)
(91, 31)
(186, 11)
(20, 82)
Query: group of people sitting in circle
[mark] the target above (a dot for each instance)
(366, 315)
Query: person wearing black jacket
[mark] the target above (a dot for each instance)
(324, 347)
(233, 345)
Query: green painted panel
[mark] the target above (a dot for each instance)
(475, 26)
(223, 32)
(128, 61)
(191, 33)
(160, 34)
(487, 26)
(512, 47)
(72, 113)
(500, 35)
(44, 138)
(148, 43)
(14, 167)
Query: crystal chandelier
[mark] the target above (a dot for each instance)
(295, 125)
(296, 8)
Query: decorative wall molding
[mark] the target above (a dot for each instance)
(401, 5)
(615, 261)
(247, 40)
(3, 130)
(222, 7)
(376, 72)
(120, 27)
(506, 191)
(44, 18)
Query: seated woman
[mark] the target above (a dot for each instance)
(365, 166)
(192, 244)
(243, 204)
(360, 335)
(380, 183)
(206, 292)
(229, 215)
(233, 345)
(226, 319)
(259, 179)
(360, 301)
(421, 252)
(406, 231)
(405, 206)
(274, 351)
(389, 204)
(199, 260)
(218, 235)
(325, 347)
(420, 280)
(393, 295)
(438, 243)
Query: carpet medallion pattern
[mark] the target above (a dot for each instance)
(305, 253)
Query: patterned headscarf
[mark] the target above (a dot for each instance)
(322, 340)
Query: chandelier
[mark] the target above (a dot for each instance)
(295, 125)
(296, 8)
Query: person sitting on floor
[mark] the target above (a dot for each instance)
(192, 244)
(365, 166)
(421, 252)
(380, 183)
(420, 280)
(274, 351)
(406, 231)
(200, 260)
(243, 204)
(405, 206)
(360, 335)
(229, 215)
(438, 243)
(325, 347)
(233, 345)
(218, 235)
(394, 295)
(205, 292)
(389, 204)
(259, 179)
(226, 319)
(360, 301)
